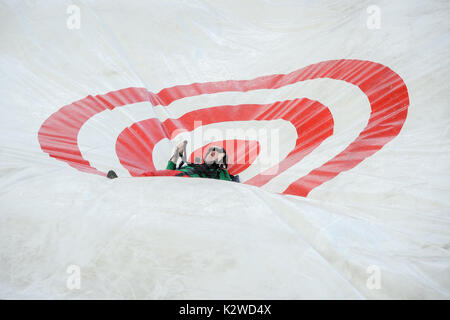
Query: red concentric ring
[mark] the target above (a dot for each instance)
(385, 90)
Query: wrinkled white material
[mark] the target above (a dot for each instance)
(173, 238)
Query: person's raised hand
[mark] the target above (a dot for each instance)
(180, 147)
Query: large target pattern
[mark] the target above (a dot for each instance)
(385, 90)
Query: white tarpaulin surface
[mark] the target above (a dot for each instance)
(352, 94)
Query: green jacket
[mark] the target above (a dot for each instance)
(223, 174)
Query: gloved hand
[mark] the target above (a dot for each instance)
(180, 148)
(179, 151)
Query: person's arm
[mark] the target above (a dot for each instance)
(224, 175)
(171, 165)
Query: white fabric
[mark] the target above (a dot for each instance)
(175, 238)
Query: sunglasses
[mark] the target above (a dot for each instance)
(217, 149)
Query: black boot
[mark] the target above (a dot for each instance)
(111, 174)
